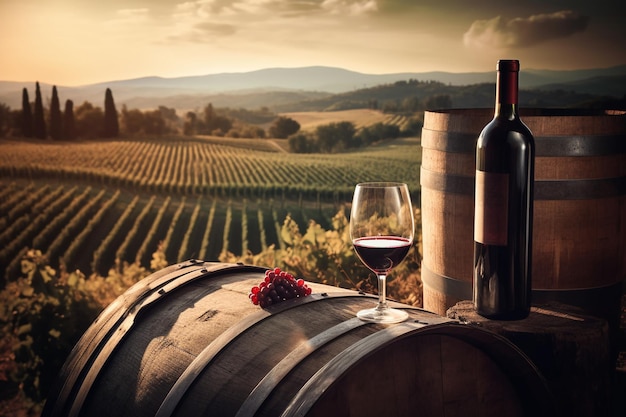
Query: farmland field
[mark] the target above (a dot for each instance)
(359, 117)
(89, 203)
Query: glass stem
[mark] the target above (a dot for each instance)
(382, 292)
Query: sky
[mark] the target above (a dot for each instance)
(79, 42)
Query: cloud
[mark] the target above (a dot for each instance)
(214, 8)
(205, 20)
(524, 32)
(125, 23)
(350, 7)
(132, 12)
(130, 16)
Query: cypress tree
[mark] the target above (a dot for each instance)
(56, 131)
(27, 115)
(39, 123)
(69, 128)
(111, 124)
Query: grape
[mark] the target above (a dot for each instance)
(277, 286)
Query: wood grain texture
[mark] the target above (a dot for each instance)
(571, 348)
(579, 235)
(188, 341)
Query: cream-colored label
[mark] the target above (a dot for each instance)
(491, 208)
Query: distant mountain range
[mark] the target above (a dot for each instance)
(281, 86)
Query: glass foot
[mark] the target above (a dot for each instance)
(383, 315)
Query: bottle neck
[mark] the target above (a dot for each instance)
(506, 94)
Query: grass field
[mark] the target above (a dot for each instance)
(360, 117)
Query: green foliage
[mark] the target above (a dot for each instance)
(283, 127)
(234, 123)
(327, 257)
(191, 124)
(413, 126)
(213, 123)
(154, 123)
(378, 132)
(439, 101)
(111, 127)
(5, 120)
(157, 122)
(341, 136)
(27, 115)
(69, 125)
(39, 124)
(132, 121)
(56, 129)
(302, 142)
(89, 121)
(260, 116)
(43, 314)
(242, 130)
(335, 136)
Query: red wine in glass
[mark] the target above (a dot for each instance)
(382, 229)
(381, 253)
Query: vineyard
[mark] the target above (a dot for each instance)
(89, 204)
(359, 117)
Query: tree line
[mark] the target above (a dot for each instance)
(33, 121)
(87, 121)
(340, 136)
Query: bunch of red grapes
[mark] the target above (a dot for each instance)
(277, 286)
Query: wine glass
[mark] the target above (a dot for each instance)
(382, 229)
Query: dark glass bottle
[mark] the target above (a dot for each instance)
(503, 214)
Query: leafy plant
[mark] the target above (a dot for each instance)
(327, 257)
(42, 315)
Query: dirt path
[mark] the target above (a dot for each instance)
(277, 146)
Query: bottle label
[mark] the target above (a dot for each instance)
(491, 208)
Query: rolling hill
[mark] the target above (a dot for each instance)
(284, 86)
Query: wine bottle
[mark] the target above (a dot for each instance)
(503, 212)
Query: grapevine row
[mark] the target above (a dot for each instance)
(185, 166)
(227, 221)
(101, 253)
(182, 252)
(15, 198)
(150, 237)
(122, 250)
(42, 239)
(244, 227)
(73, 227)
(43, 214)
(170, 232)
(207, 232)
(78, 242)
(89, 228)
(20, 209)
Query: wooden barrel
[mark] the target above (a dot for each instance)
(570, 348)
(579, 236)
(186, 341)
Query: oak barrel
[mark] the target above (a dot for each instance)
(186, 341)
(579, 236)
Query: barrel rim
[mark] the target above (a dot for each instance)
(96, 346)
(204, 359)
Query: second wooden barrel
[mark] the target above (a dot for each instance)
(186, 341)
(579, 238)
